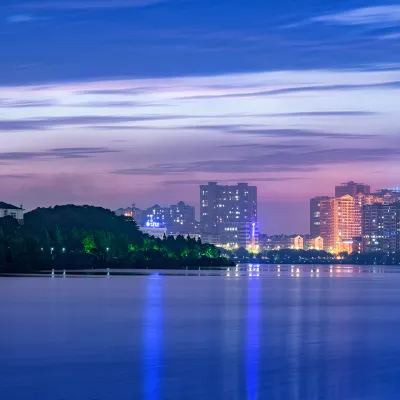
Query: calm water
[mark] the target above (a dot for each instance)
(331, 336)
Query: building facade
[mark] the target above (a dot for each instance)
(352, 189)
(182, 219)
(177, 218)
(229, 211)
(340, 223)
(132, 212)
(381, 227)
(313, 243)
(8, 210)
(315, 215)
(156, 232)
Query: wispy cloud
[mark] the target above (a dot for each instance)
(26, 103)
(282, 133)
(197, 182)
(72, 152)
(17, 176)
(20, 18)
(118, 104)
(83, 4)
(275, 161)
(84, 120)
(390, 36)
(301, 89)
(388, 15)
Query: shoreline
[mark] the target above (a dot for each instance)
(252, 270)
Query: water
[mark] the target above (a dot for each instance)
(331, 336)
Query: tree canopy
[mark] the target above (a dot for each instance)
(80, 236)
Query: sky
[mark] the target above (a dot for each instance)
(107, 102)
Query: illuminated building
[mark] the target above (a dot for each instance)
(297, 242)
(155, 231)
(280, 242)
(229, 211)
(315, 215)
(388, 195)
(340, 223)
(313, 243)
(351, 188)
(195, 236)
(156, 216)
(178, 218)
(8, 210)
(276, 242)
(132, 212)
(182, 219)
(210, 238)
(381, 227)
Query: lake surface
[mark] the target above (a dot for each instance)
(277, 334)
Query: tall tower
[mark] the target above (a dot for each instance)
(315, 215)
(351, 188)
(340, 223)
(229, 211)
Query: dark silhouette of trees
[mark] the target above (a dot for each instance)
(73, 237)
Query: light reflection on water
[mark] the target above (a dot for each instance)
(267, 335)
(303, 270)
(152, 338)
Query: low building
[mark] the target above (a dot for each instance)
(195, 236)
(8, 210)
(157, 232)
(132, 212)
(239, 234)
(296, 242)
(210, 238)
(313, 243)
(279, 242)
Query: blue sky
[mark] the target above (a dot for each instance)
(108, 101)
(64, 40)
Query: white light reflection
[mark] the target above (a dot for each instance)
(253, 339)
(152, 338)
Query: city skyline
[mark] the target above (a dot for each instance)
(292, 98)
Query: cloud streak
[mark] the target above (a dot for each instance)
(278, 161)
(281, 133)
(57, 153)
(83, 120)
(65, 5)
(20, 18)
(229, 181)
(26, 103)
(388, 15)
(302, 89)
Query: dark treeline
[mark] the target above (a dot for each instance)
(78, 237)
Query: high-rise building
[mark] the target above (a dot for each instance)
(340, 223)
(177, 218)
(156, 217)
(351, 188)
(315, 215)
(387, 195)
(182, 218)
(381, 227)
(229, 211)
